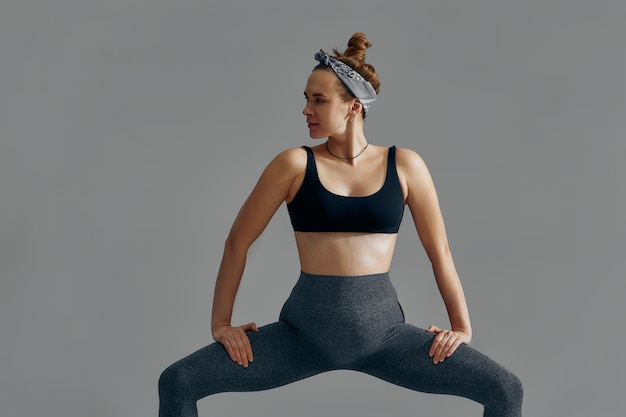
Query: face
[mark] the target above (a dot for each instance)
(326, 113)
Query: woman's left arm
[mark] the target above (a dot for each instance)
(424, 205)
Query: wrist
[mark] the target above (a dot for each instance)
(467, 332)
(218, 325)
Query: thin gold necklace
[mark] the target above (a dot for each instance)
(350, 157)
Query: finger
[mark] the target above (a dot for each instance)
(445, 345)
(246, 351)
(237, 351)
(433, 329)
(454, 347)
(448, 346)
(231, 351)
(435, 346)
(249, 354)
(242, 357)
(442, 339)
(249, 326)
(247, 347)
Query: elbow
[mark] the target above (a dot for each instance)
(236, 245)
(439, 253)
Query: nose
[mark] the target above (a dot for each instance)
(306, 110)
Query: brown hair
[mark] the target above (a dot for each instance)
(354, 57)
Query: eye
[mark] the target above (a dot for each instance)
(317, 100)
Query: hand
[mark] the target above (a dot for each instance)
(445, 343)
(236, 342)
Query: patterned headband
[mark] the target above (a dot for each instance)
(358, 86)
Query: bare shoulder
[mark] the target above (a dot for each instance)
(287, 164)
(286, 171)
(410, 164)
(292, 159)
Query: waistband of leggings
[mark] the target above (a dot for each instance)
(381, 275)
(331, 288)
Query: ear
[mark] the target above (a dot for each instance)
(356, 107)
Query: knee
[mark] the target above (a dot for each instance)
(510, 391)
(174, 382)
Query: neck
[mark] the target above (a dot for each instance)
(345, 145)
(347, 149)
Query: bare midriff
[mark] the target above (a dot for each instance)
(345, 253)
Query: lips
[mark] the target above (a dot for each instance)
(310, 125)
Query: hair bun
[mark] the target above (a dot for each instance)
(354, 57)
(357, 45)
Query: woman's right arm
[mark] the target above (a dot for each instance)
(273, 187)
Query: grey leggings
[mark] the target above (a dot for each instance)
(329, 323)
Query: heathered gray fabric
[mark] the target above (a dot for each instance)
(331, 323)
(358, 86)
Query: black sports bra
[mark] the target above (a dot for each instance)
(315, 209)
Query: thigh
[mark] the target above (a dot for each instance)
(279, 358)
(403, 360)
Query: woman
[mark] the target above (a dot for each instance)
(346, 199)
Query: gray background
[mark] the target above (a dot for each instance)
(132, 130)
